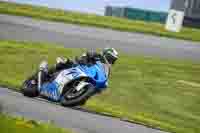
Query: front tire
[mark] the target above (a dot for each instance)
(80, 100)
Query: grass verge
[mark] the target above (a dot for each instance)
(145, 90)
(39, 12)
(20, 125)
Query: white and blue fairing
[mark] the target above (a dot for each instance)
(96, 72)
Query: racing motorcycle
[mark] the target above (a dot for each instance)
(71, 86)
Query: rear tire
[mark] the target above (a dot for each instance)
(81, 100)
(28, 89)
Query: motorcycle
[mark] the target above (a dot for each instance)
(69, 87)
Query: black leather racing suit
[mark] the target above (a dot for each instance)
(88, 58)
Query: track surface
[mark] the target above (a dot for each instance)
(81, 122)
(22, 28)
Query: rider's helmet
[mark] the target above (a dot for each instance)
(110, 54)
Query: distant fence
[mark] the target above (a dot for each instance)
(136, 14)
(191, 22)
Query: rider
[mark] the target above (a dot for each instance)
(107, 56)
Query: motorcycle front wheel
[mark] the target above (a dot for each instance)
(74, 99)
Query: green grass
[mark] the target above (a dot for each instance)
(94, 20)
(20, 125)
(145, 90)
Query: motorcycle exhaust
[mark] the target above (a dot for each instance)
(39, 80)
(42, 68)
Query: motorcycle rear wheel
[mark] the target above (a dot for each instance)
(29, 89)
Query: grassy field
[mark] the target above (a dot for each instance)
(154, 92)
(19, 125)
(94, 20)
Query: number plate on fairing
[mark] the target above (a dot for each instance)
(66, 76)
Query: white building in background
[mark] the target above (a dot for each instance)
(191, 9)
